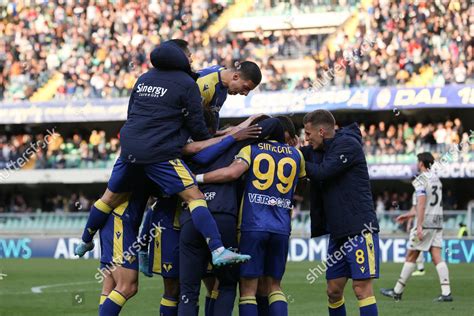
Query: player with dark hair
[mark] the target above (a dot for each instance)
(164, 103)
(162, 257)
(341, 205)
(427, 235)
(264, 219)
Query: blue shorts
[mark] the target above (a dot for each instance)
(117, 238)
(164, 255)
(171, 176)
(164, 249)
(356, 257)
(269, 252)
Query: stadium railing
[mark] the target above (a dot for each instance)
(71, 224)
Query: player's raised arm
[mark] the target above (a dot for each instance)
(231, 173)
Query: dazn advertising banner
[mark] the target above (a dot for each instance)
(301, 249)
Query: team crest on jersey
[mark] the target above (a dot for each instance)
(167, 266)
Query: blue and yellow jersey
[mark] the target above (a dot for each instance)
(274, 169)
(166, 212)
(213, 92)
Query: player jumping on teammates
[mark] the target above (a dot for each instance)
(428, 233)
(272, 170)
(163, 255)
(164, 102)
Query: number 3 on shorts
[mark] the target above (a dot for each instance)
(360, 257)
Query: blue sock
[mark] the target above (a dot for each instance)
(205, 223)
(210, 302)
(262, 303)
(338, 308)
(368, 307)
(248, 306)
(97, 218)
(277, 304)
(144, 233)
(168, 306)
(102, 299)
(225, 300)
(113, 304)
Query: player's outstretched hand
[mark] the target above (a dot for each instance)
(245, 133)
(249, 121)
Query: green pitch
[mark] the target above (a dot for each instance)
(68, 287)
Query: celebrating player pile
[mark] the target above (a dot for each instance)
(247, 176)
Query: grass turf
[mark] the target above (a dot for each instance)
(71, 289)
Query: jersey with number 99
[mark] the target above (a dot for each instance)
(274, 169)
(428, 184)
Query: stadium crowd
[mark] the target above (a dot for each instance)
(381, 140)
(72, 151)
(401, 201)
(56, 203)
(101, 47)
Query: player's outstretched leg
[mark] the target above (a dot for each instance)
(126, 288)
(206, 225)
(99, 212)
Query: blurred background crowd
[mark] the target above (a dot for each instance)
(100, 47)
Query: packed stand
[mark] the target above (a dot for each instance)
(58, 151)
(100, 47)
(400, 142)
(429, 42)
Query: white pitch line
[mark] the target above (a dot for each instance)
(39, 289)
